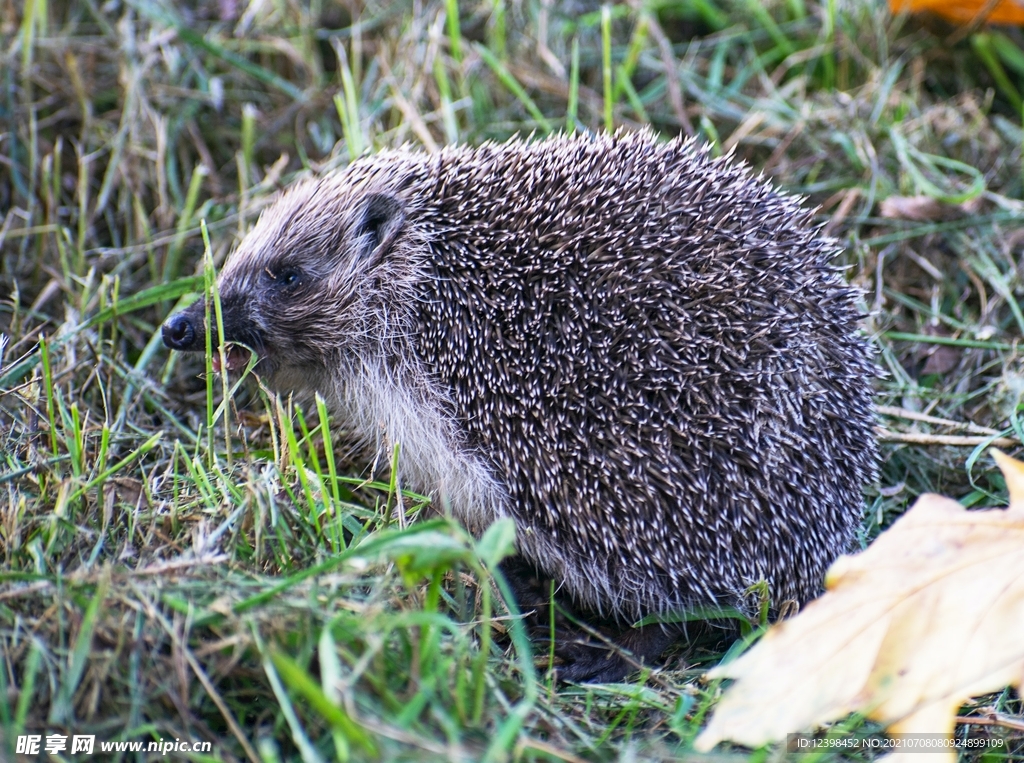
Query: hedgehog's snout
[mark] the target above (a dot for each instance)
(184, 332)
(178, 332)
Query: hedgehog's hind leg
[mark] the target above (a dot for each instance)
(591, 649)
(588, 660)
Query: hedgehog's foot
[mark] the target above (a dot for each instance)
(586, 659)
(590, 648)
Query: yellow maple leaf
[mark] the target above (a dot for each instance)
(929, 615)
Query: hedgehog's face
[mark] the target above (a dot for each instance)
(299, 290)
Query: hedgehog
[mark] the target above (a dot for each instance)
(642, 354)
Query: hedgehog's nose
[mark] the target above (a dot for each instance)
(178, 332)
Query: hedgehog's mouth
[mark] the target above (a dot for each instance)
(236, 358)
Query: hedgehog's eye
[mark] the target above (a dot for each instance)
(284, 278)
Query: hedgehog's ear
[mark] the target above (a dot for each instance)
(379, 221)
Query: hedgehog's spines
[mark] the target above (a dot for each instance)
(642, 353)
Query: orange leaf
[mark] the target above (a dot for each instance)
(965, 11)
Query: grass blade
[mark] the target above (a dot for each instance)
(61, 711)
(506, 78)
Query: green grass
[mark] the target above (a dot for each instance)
(190, 558)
